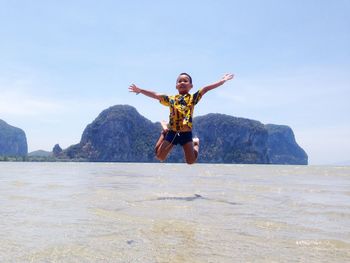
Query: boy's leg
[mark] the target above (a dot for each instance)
(162, 135)
(163, 147)
(191, 150)
(163, 150)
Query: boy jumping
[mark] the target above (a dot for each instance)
(179, 128)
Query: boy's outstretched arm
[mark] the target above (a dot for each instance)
(225, 78)
(137, 90)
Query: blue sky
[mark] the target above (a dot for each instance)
(63, 62)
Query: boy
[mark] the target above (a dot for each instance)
(179, 129)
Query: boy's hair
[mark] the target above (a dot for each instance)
(186, 74)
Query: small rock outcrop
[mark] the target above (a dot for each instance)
(57, 150)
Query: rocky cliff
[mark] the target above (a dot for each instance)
(282, 147)
(13, 140)
(118, 134)
(227, 139)
(121, 134)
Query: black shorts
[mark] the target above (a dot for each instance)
(178, 137)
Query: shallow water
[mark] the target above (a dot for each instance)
(103, 212)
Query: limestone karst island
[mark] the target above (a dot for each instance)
(121, 134)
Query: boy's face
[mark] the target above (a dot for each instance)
(183, 84)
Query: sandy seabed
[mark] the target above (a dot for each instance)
(132, 212)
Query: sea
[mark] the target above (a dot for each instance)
(159, 212)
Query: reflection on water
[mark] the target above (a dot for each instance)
(94, 212)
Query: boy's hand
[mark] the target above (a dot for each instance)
(135, 89)
(227, 77)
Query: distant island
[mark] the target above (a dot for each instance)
(13, 142)
(121, 134)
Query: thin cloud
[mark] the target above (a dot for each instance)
(289, 88)
(18, 103)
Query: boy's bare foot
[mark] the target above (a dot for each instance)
(164, 125)
(195, 141)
